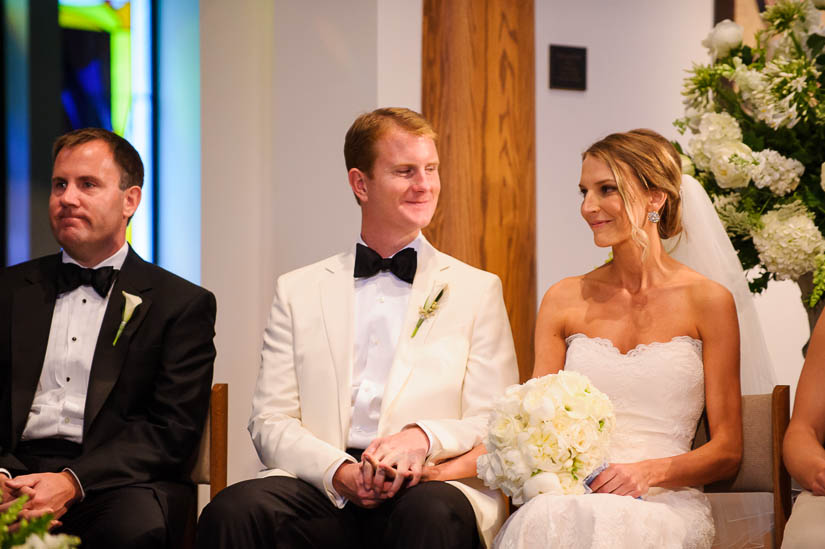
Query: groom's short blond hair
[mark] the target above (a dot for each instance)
(367, 130)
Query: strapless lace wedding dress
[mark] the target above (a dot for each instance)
(658, 394)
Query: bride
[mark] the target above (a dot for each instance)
(662, 341)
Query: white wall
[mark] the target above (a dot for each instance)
(236, 196)
(399, 53)
(637, 54)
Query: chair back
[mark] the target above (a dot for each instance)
(210, 465)
(764, 421)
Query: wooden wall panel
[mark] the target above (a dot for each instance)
(479, 92)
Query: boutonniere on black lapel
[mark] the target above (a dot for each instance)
(132, 302)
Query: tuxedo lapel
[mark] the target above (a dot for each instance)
(429, 274)
(337, 304)
(32, 310)
(108, 358)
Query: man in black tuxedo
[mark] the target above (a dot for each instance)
(105, 363)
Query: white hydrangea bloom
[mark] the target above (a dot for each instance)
(720, 126)
(777, 172)
(731, 164)
(714, 129)
(557, 424)
(693, 115)
(789, 241)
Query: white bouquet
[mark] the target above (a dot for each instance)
(29, 534)
(546, 436)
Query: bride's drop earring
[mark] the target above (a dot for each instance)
(653, 217)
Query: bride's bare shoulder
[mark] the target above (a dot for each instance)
(571, 290)
(704, 293)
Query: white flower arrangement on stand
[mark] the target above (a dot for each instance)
(547, 436)
(757, 122)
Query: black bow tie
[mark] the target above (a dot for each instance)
(368, 263)
(71, 276)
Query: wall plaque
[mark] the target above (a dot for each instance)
(568, 67)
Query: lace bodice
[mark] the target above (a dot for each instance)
(657, 390)
(658, 393)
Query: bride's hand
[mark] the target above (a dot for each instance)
(623, 479)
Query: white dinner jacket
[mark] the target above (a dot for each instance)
(446, 378)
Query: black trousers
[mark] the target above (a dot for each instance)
(283, 512)
(130, 517)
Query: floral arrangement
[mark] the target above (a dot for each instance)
(546, 436)
(756, 118)
(31, 534)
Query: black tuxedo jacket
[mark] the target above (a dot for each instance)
(148, 395)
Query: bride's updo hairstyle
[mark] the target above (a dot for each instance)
(655, 163)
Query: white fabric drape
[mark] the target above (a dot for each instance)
(742, 519)
(704, 246)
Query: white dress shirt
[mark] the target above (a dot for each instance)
(380, 307)
(381, 303)
(60, 400)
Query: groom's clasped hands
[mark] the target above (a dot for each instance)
(387, 465)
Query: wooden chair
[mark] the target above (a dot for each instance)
(764, 419)
(210, 462)
(210, 467)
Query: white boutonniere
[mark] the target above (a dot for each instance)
(132, 302)
(430, 306)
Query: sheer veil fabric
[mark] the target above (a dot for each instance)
(704, 246)
(742, 520)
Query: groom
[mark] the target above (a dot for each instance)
(375, 361)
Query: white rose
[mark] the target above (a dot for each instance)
(504, 430)
(583, 435)
(731, 164)
(571, 486)
(515, 466)
(489, 468)
(725, 36)
(48, 541)
(543, 483)
(720, 126)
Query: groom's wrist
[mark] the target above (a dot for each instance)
(427, 433)
(330, 480)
